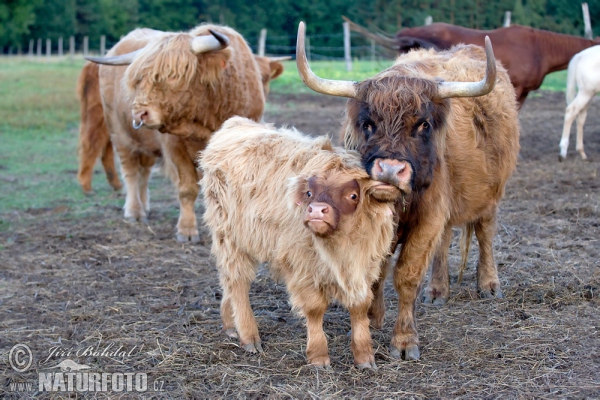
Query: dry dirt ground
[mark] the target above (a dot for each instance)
(97, 282)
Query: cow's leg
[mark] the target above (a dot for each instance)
(377, 310)
(89, 151)
(573, 109)
(236, 271)
(415, 255)
(580, 122)
(131, 168)
(438, 289)
(488, 283)
(146, 164)
(362, 344)
(108, 162)
(187, 186)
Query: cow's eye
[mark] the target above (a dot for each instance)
(368, 128)
(309, 194)
(425, 125)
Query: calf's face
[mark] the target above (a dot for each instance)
(329, 202)
(326, 201)
(393, 123)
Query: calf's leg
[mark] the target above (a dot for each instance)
(377, 309)
(236, 271)
(313, 305)
(362, 344)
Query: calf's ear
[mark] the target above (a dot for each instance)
(295, 189)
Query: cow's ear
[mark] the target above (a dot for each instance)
(276, 69)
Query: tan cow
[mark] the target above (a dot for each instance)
(311, 212)
(449, 140)
(94, 138)
(177, 89)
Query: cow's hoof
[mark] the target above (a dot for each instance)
(491, 293)
(181, 238)
(253, 347)
(320, 362)
(232, 333)
(411, 352)
(561, 158)
(134, 220)
(368, 365)
(433, 296)
(89, 193)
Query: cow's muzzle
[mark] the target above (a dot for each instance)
(395, 172)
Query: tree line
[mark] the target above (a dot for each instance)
(22, 20)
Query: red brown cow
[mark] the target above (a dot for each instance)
(94, 138)
(528, 54)
(420, 128)
(177, 89)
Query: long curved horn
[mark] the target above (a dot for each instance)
(204, 44)
(122, 59)
(283, 58)
(325, 86)
(473, 89)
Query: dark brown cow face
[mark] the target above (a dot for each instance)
(393, 123)
(326, 201)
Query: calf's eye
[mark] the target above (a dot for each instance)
(354, 196)
(309, 194)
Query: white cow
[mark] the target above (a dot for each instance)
(583, 75)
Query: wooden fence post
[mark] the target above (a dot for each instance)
(86, 43)
(71, 47)
(429, 20)
(586, 21)
(48, 48)
(60, 46)
(347, 55)
(31, 47)
(39, 47)
(507, 19)
(102, 45)
(261, 42)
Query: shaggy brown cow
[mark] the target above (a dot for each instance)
(419, 128)
(94, 138)
(307, 209)
(178, 90)
(528, 54)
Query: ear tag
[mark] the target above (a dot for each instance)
(298, 203)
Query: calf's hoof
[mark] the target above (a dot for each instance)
(320, 362)
(232, 333)
(253, 347)
(133, 220)
(182, 238)
(410, 352)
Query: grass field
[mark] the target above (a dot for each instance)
(39, 119)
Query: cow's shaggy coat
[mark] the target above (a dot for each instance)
(180, 98)
(260, 186)
(94, 138)
(450, 157)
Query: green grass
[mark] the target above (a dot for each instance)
(39, 122)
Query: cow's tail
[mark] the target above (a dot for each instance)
(465, 244)
(571, 81)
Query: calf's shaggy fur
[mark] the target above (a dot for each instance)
(307, 209)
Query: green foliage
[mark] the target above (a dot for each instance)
(21, 20)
